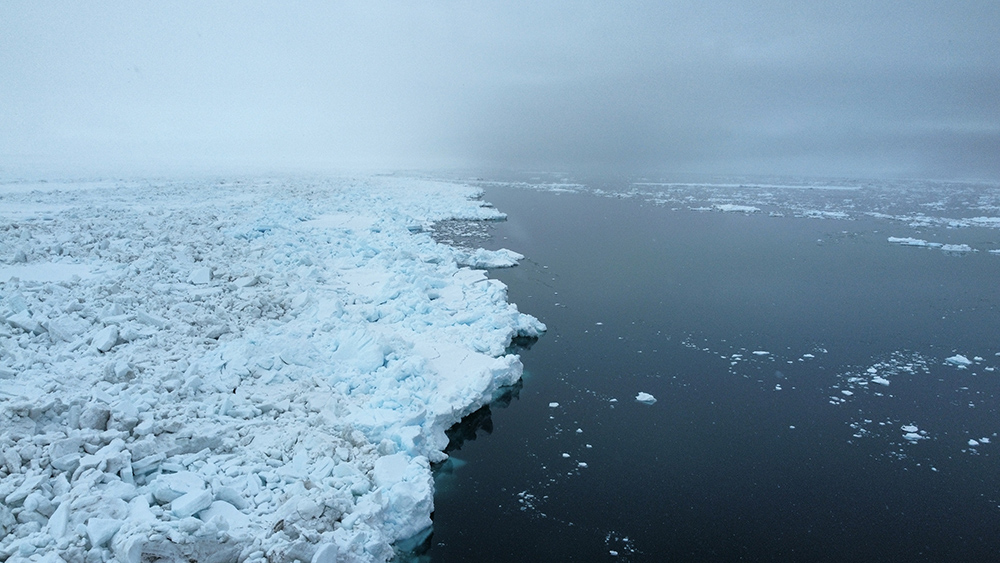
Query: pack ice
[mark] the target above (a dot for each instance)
(241, 371)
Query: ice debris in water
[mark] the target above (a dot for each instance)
(912, 433)
(909, 241)
(246, 371)
(645, 398)
(959, 360)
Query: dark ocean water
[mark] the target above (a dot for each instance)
(798, 453)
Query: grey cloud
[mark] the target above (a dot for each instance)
(837, 88)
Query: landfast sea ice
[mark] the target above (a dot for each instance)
(245, 371)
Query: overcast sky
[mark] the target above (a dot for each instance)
(816, 88)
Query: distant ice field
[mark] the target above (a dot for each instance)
(826, 385)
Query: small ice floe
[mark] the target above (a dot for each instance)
(553, 405)
(958, 361)
(956, 248)
(912, 433)
(908, 241)
(846, 392)
(973, 443)
(582, 464)
(645, 398)
(880, 380)
(733, 208)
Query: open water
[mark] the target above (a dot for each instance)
(806, 408)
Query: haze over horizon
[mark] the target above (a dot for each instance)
(846, 89)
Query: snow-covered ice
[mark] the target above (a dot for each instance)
(958, 360)
(731, 207)
(645, 398)
(237, 371)
(910, 241)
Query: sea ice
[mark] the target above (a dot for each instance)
(731, 207)
(238, 371)
(645, 398)
(958, 360)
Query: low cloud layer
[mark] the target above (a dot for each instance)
(856, 88)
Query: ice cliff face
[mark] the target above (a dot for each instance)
(250, 371)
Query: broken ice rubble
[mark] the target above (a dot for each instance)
(228, 374)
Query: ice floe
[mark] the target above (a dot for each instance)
(645, 398)
(909, 241)
(958, 360)
(237, 371)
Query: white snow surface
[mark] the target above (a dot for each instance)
(237, 371)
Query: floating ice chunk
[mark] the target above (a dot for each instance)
(101, 530)
(973, 443)
(582, 464)
(150, 319)
(191, 503)
(808, 356)
(200, 276)
(487, 259)
(246, 281)
(958, 360)
(326, 553)
(553, 405)
(25, 322)
(908, 241)
(880, 380)
(909, 428)
(730, 207)
(846, 392)
(984, 440)
(168, 487)
(645, 398)
(760, 353)
(956, 248)
(226, 512)
(106, 338)
(565, 455)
